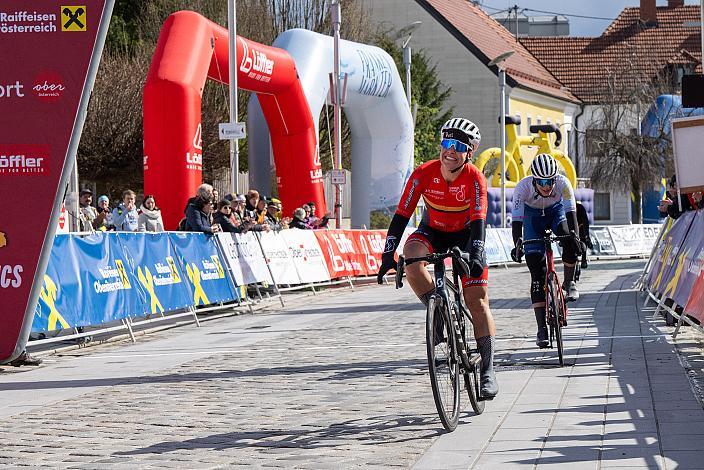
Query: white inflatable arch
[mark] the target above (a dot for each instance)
(376, 108)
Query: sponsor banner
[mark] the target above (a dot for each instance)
(506, 237)
(695, 303)
(279, 258)
(687, 267)
(649, 237)
(601, 238)
(157, 274)
(627, 239)
(244, 257)
(342, 253)
(370, 247)
(666, 257)
(494, 248)
(88, 282)
(205, 271)
(306, 254)
(46, 48)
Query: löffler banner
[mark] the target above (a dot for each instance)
(50, 50)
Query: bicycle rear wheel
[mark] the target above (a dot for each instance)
(555, 311)
(443, 363)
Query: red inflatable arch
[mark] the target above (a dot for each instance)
(190, 50)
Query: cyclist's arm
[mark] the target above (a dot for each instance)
(568, 201)
(518, 211)
(404, 211)
(477, 222)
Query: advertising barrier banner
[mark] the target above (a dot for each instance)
(494, 247)
(87, 271)
(627, 239)
(370, 246)
(244, 257)
(306, 254)
(660, 273)
(603, 244)
(46, 48)
(342, 253)
(279, 258)
(688, 264)
(155, 271)
(203, 267)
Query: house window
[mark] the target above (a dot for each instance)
(547, 121)
(602, 206)
(538, 121)
(529, 122)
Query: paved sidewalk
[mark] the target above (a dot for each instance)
(340, 381)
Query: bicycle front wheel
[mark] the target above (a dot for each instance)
(471, 375)
(443, 363)
(555, 311)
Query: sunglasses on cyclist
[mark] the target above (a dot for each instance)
(460, 147)
(542, 182)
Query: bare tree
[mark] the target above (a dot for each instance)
(618, 156)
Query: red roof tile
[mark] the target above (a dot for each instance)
(490, 39)
(627, 50)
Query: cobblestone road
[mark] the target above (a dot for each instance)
(332, 381)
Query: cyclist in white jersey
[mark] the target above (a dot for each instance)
(541, 201)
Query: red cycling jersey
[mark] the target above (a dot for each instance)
(450, 207)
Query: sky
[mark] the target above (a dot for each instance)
(608, 9)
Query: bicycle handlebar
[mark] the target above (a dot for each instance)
(433, 258)
(548, 129)
(549, 237)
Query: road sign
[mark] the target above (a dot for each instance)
(232, 130)
(338, 176)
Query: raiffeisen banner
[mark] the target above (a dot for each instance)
(50, 51)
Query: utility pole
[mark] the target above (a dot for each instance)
(234, 142)
(515, 10)
(336, 21)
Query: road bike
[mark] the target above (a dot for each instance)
(555, 304)
(449, 337)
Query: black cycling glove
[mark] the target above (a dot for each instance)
(574, 228)
(393, 238)
(477, 256)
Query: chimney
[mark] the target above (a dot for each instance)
(675, 3)
(648, 12)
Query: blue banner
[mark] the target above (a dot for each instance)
(88, 282)
(661, 271)
(155, 270)
(203, 267)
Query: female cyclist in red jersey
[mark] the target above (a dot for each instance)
(455, 197)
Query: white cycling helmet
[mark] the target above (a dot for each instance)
(544, 166)
(463, 130)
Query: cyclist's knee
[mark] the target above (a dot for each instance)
(536, 265)
(477, 300)
(415, 249)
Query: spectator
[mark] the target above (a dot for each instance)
(261, 210)
(86, 213)
(316, 222)
(125, 215)
(239, 210)
(198, 216)
(252, 200)
(298, 220)
(216, 195)
(150, 216)
(272, 217)
(670, 205)
(103, 221)
(583, 223)
(222, 218)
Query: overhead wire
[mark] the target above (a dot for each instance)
(573, 15)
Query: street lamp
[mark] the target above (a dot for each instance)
(498, 61)
(407, 30)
